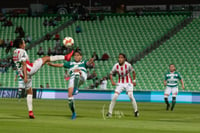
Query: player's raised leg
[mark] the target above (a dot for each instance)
(57, 57)
(76, 83)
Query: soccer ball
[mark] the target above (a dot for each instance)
(68, 41)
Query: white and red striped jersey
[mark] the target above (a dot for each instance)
(20, 56)
(123, 72)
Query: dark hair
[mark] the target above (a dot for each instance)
(17, 42)
(78, 51)
(123, 56)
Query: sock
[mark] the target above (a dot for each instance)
(57, 57)
(166, 101)
(134, 104)
(19, 95)
(29, 102)
(71, 104)
(173, 102)
(68, 56)
(76, 80)
(112, 104)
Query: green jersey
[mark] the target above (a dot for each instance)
(72, 65)
(19, 78)
(172, 78)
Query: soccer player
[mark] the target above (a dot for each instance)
(26, 69)
(20, 85)
(123, 69)
(78, 75)
(171, 82)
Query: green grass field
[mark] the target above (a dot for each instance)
(53, 116)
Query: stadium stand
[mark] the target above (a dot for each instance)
(113, 35)
(32, 26)
(181, 50)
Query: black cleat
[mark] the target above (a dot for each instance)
(172, 108)
(136, 113)
(108, 115)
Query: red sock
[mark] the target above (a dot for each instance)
(68, 56)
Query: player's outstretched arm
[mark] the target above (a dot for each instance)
(182, 84)
(16, 77)
(90, 62)
(55, 65)
(134, 78)
(24, 71)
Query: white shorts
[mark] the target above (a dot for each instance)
(21, 84)
(36, 66)
(168, 91)
(124, 86)
(83, 78)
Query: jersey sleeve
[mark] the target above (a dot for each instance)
(131, 69)
(67, 64)
(114, 70)
(22, 56)
(179, 76)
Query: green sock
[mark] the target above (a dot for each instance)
(166, 101)
(19, 95)
(76, 81)
(173, 102)
(71, 105)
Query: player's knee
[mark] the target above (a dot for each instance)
(115, 96)
(166, 96)
(77, 74)
(130, 94)
(29, 91)
(45, 59)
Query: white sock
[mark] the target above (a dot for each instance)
(112, 104)
(134, 104)
(57, 57)
(29, 102)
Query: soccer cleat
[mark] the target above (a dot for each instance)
(172, 108)
(168, 106)
(73, 116)
(136, 113)
(75, 91)
(31, 115)
(108, 115)
(68, 56)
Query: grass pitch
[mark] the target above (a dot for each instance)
(53, 116)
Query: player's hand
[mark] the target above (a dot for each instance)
(183, 87)
(134, 83)
(25, 80)
(91, 60)
(113, 83)
(49, 63)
